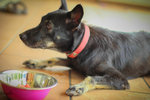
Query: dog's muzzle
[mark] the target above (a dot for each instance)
(23, 37)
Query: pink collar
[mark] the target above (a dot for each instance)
(82, 45)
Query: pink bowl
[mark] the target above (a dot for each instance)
(40, 83)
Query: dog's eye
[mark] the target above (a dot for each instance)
(46, 21)
(48, 25)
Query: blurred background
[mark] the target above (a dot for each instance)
(16, 16)
(120, 15)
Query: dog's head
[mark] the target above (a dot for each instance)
(55, 29)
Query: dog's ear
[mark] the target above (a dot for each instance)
(75, 15)
(63, 5)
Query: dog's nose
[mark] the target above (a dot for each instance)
(23, 36)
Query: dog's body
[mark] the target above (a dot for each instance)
(124, 51)
(108, 59)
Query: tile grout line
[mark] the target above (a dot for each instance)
(146, 82)
(69, 78)
(9, 42)
(142, 92)
(138, 92)
(13, 38)
(70, 97)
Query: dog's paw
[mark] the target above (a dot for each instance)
(125, 85)
(122, 85)
(75, 91)
(34, 64)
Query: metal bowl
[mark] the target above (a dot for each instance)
(26, 84)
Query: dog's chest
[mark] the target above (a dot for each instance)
(82, 66)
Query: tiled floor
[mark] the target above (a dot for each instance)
(122, 18)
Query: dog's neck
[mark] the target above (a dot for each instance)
(76, 50)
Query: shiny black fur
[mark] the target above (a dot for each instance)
(129, 53)
(109, 55)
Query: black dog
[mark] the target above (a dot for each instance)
(106, 57)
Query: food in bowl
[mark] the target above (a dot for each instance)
(26, 84)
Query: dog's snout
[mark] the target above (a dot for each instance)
(23, 36)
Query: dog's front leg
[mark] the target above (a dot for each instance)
(40, 64)
(89, 83)
(112, 79)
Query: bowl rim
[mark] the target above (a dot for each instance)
(49, 87)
